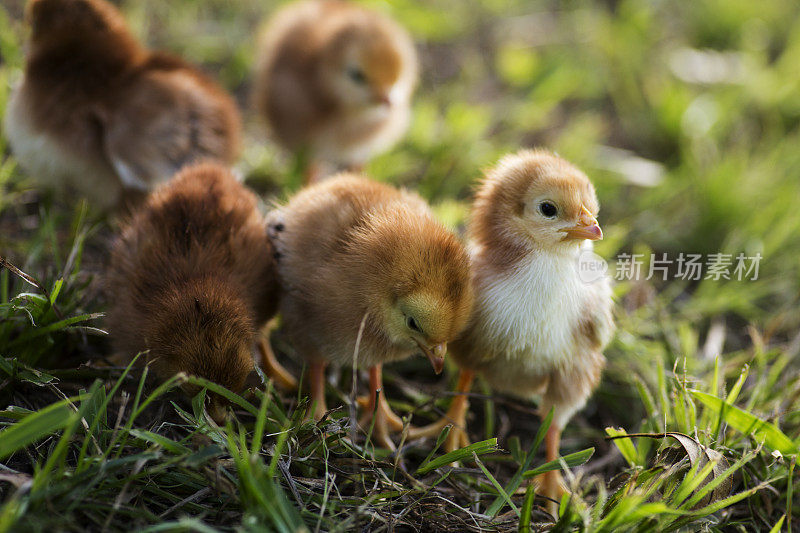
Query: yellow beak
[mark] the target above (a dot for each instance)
(586, 228)
(435, 355)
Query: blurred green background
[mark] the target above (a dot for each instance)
(686, 115)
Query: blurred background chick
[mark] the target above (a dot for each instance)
(99, 113)
(352, 252)
(538, 329)
(334, 82)
(192, 279)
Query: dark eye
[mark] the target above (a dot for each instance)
(548, 209)
(357, 75)
(412, 324)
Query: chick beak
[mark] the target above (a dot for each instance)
(586, 228)
(435, 355)
(383, 98)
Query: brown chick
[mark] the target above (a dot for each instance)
(192, 279)
(353, 251)
(538, 327)
(99, 113)
(334, 82)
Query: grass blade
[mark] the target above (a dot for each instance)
(572, 460)
(515, 482)
(491, 478)
(625, 446)
(741, 420)
(478, 448)
(778, 525)
(527, 506)
(35, 427)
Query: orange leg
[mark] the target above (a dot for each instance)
(273, 369)
(551, 484)
(456, 415)
(317, 377)
(385, 421)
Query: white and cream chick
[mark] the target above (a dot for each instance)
(537, 330)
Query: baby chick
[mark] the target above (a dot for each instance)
(192, 279)
(351, 252)
(97, 112)
(334, 81)
(537, 329)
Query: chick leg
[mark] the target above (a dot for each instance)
(317, 378)
(385, 421)
(551, 484)
(273, 369)
(456, 415)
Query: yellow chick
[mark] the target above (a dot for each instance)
(353, 251)
(192, 279)
(334, 82)
(99, 113)
(539, 327)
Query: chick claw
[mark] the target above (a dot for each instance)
(457, 416)
(551, 485)
(456, 439)
(386, 422)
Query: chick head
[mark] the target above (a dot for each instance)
(420, 283)
(368, 63)
(538, 198)
(202, 331)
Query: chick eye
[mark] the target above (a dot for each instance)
(357, 75)
(548, 209)
(412, 324)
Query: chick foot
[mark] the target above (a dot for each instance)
(273, 369)
(551, 485)
(456, 415)
(456, 439)
(384, 419)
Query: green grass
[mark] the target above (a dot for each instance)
(686, 115)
